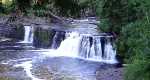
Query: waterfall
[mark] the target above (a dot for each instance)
(57, 39)
(70, 46)
(86, 46)
(28, 37)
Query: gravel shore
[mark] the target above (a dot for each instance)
(110, 74)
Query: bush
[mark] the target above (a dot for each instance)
(129, 19)
(134, 37)
(139, 70)
(135, 40)
(118, 13)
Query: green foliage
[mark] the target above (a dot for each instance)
(125, 18)
(134, 45)
(139, 70)
(121, 12)
(137, 50)
(129, 19)
(1, 8)
(68, 7)
(75, 8)
(65, 8)
(11, 6)
(38, 10)
(134, 37)
(23, 5)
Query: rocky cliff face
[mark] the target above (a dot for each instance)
(15, 31)
(43, 37)
(45, 31)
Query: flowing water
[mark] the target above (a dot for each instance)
(85, 46)
(28, 37)
(77, 57)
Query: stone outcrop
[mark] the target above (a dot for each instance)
(42, 37)
(15, 31)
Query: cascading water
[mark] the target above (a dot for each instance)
(28, 37)
(86, 46)
(70, 46)
(59, 36)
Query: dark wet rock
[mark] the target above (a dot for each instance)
(3, 19)
(5, 29)
(120, 61)
(15, 31)
(43, 37)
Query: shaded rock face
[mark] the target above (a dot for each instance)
(4, 29)
(15, 31)
(42, 38)
(48, 38)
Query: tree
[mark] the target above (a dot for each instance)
(129, 19)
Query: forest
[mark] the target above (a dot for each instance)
(127, 20)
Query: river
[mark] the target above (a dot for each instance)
(77, 56)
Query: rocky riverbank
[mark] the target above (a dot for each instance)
(110, 74)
